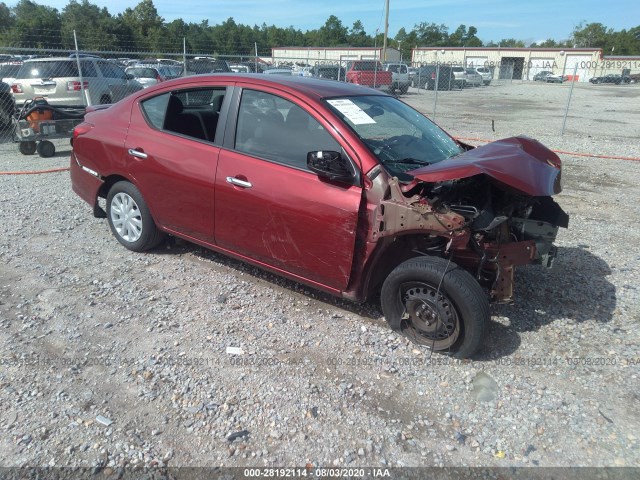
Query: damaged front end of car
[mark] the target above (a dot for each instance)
(488, 210)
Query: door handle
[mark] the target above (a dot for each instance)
(238, 182)
(137, 154)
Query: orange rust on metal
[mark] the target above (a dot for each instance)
(402, 214)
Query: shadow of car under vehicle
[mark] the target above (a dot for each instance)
(576, 288)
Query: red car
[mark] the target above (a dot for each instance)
(334, 185)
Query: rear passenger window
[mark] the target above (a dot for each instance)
(276, 129)
(192, 113)
(88, 69)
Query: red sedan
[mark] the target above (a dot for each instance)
(338, 186)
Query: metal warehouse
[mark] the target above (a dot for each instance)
(524, 63)
(321, 55)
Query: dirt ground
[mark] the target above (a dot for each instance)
(114, 359)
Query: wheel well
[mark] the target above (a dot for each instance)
(108, 183)
(388, 257)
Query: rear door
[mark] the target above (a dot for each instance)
(269, 206)
(172, 152)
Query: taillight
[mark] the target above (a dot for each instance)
(81, 129)
(16, 88)
(77, 86)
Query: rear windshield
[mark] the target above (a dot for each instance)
(142, 72)
(48, 69)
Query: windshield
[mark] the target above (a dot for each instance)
(400, 137)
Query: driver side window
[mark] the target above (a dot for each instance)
(276, 129)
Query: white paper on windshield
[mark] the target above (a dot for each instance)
(353, 112)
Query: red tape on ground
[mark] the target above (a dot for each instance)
(36, 172)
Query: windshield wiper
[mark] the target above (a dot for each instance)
(407, 161)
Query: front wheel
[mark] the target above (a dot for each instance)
(130, 219)
(436, 303)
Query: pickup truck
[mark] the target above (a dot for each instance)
(399, 76)
(369, 73)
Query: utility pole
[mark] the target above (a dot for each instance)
(386, 30)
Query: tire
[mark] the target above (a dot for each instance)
(130, 219)
(105, 99)
(6, 118)
(446, 308)
(27, 148)
(46, 149)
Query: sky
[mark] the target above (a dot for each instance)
(494, 19)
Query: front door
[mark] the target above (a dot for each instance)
(271, 208)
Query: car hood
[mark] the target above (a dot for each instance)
(518, 162)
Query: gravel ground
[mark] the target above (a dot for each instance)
(111, 358)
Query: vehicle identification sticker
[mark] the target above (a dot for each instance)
(354, 113)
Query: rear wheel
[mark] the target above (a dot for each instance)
(130, 219)
(46, 149)
(27, 148)
(105, 99)
(436, 303)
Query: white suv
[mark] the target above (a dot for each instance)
(486, 74)
(58, 80)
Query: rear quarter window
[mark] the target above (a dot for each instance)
(155, 108)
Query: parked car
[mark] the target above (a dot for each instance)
(198, 66)
(7, 106)
(473, 78)
(556, 78)
(278, 71)
(399, 76)
(369, 73)
(542, 76)
(486, 74)
(460, 76)
(8, 71)
(247, 67)
(611, 78)
(58, 80)
(147, 76)
(340, 187)
(412, 75)
(304, 72)
(330, 72)
(428, 75)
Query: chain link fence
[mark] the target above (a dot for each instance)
(486, 100)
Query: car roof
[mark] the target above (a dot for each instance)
(307, 86)
(60, 59)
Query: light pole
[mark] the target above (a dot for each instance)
(375, 57)
(400, 48)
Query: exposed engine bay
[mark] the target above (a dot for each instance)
(483, 225)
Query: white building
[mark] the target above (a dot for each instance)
(524, 63)
(330, 55)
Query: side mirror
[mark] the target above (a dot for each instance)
(330, 165)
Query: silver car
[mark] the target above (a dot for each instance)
(474, 79)
(62, 84)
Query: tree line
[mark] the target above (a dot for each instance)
(30, 25)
